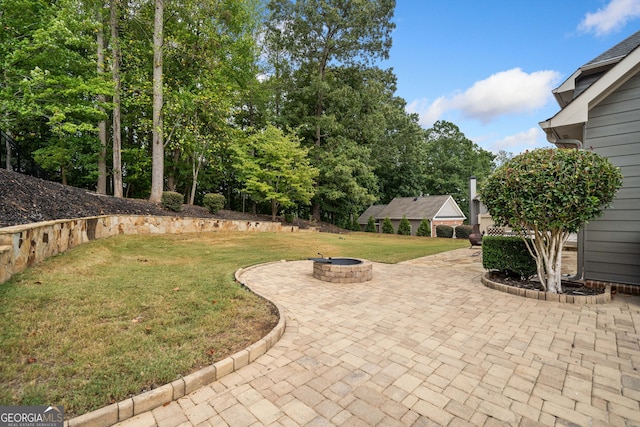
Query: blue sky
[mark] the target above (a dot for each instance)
(489, 66)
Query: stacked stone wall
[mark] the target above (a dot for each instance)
(25, 245)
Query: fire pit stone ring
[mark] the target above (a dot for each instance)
(342, 270)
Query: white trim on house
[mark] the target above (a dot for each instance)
(455, 206)
(570, 119)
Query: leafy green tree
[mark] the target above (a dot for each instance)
(346, 176)
(404, 228)
(49, 84)
(371, 225)
(424, 229)
(210, 73)
(451, 160)
(276, 169)
(550, 193)
(387, 226)
(315, 35)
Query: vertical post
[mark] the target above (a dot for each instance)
(473, 203)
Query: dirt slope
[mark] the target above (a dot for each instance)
(25, 199)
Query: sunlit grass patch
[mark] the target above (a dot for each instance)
(115, 317)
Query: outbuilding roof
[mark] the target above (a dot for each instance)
(415, 208)
(372, 211)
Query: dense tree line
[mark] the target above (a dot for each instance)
(132, 97)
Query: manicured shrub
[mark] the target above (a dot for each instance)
(371, 225)
(404, 228)
(550, 193)
(213, 202)
(172, 201)
(444, 231)
(508, 254)
(355, 226)
(387, 227)
(288, 217)
(463, 231)
(424, 229)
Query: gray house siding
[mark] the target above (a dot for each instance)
(611, 246)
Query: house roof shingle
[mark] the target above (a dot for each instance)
(372, 211)
(618, 51)
(414, 207)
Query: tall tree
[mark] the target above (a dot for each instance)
(157, 174)
(318, 33)
(452, 159)
(101, 186)
(210, 78)
(115, 72)
(50, 85)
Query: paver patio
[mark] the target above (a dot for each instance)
(424, 343)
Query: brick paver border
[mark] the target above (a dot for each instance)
(602, 298)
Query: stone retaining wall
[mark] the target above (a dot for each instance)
(25, 245)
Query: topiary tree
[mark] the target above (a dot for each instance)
(387, 227)
(355, 226)
(371, 225)
(424, 229)
(404, 228)
(548, 194)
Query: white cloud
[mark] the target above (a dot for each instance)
(610, 18)
(505, 93)
(526, 140)
(429, 113)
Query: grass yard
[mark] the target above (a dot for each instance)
(119, 316)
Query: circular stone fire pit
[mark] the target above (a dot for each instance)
(342, 270)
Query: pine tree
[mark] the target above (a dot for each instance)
(387, 227)
(424, 229)
(404, 229)
(371, 225)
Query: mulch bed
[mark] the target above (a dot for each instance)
(568, 287)
(25, 199)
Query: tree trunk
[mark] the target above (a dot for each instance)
(546, 248)
(101, 186)
(117, 137)
(318, 114)
(172, 173)
(196, 170)
(7, 145)
(157, 169)
(274, 210)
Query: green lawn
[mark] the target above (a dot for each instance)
(116, 317)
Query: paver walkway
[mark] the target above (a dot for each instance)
(425, 343)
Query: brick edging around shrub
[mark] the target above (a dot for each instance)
(547, 296)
